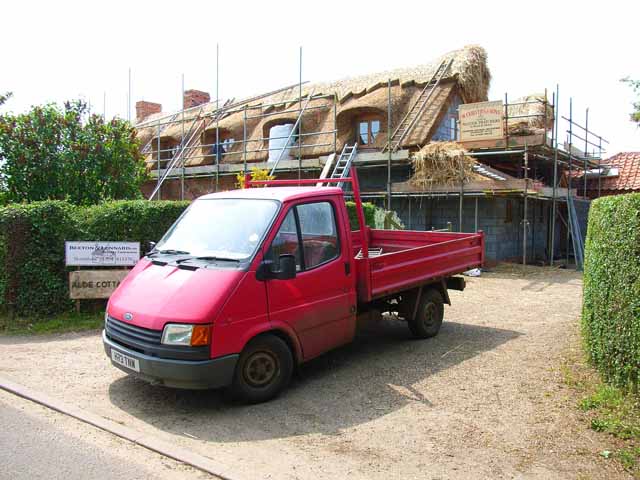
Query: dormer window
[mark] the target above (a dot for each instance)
(217, 146)
(368, 129)
(168, 148)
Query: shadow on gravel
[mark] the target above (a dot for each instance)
(370, 378)
(45, 338)
(538, 279)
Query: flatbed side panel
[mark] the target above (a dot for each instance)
(401, 270)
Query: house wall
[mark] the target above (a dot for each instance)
(503, 231)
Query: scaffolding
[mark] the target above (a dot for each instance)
(171, 160)
(528, 157)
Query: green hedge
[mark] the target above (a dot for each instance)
(33, 278)
(611, 307)
(130, 221)
(369, 210)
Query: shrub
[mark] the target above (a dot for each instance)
(369, 210)
(33, 276)
(611, 307)
(129, 221)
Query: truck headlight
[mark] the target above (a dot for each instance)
(186, 335)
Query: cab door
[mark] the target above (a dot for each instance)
(319, 303)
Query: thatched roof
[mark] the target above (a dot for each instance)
(468, 77)
(469, 69)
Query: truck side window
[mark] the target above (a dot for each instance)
(319, 233)
(286, 241)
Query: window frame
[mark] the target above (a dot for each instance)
(368, 119)
(303, 262)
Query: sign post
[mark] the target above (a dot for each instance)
(85, 284)
(99, 283)
(481, 121)
(101, 254)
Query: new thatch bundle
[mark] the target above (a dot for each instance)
(442, 163)
(531, 112)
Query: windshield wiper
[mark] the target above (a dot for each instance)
(169, 252)
(208, 257)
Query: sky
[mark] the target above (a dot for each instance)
(55, 51)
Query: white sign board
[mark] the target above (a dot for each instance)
(481, 121)
(84, 284)
(101, 254)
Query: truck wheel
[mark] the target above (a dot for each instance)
(264, 369)
(429, 315)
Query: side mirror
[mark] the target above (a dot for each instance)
(287, 269)
(148, 247)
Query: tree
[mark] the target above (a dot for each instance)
(53, 153)
(4, 97)
(635, 86)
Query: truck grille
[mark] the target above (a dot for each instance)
(131, 334)
(148, 342)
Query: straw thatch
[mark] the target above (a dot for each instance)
(534, 107)
(469, 69)
(442, 163)
(468, 77)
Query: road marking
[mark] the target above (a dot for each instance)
(144, 440)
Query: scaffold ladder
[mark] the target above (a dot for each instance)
(202, 122)
(343, 165)
(192, 135)
(409, 121)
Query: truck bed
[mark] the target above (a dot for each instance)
(409, 259)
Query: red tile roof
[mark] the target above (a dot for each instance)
(628, 179)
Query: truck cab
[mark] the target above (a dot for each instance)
(249, 283)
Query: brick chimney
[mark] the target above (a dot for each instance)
(193, 98)
(144, 109)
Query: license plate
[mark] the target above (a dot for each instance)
(125, 360)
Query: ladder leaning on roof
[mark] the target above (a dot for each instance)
(343, 165)
(415, 112)
(148, 148)
(196, 128)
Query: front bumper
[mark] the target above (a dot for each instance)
(189, 374)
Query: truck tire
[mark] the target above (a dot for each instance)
(263, 370)
(428, 316)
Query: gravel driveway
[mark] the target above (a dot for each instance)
(484, 399)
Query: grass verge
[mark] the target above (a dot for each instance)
(608, 410)
(68, 322)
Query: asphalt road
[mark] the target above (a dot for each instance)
(38, 443)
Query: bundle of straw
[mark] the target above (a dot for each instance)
(531, 112)
(442, 163)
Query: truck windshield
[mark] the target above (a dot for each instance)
(221, 228)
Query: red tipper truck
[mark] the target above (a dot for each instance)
(249, 283)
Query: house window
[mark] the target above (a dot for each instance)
(168, 148)
(221, 147)
(368, 130)
(448, 128)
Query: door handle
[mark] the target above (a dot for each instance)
(347, 268)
